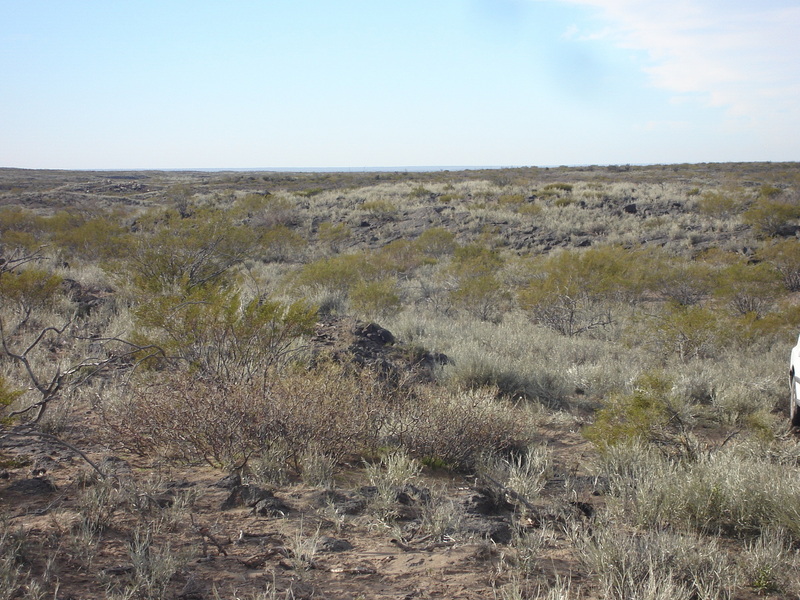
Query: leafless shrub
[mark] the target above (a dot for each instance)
(336, 410)
(456, 427)
(187, 418)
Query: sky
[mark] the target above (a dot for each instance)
(173, 84)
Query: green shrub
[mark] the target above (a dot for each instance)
(649, 413)
(721, 205)
(310, 193)
(334, 236)
(484, 297)
(381, 208)
(475, 260)
(680, 281)
(747, 288)
(281, 244)
(336, 273)
(218, 335)
(449, 197)
(29, 289)
(530, 209)
(419, 192)
(769, 191)
(511, 200)
(784, 256)
(19, 239)
(19, 228)
(560, 187)
(563, 201)
(436, 242)
(7, 398)
(688, 332)
(399, 257)
(570, 291)
(99, 238)
(180, 194)
(769, 215)
(176, 254)
(376, 299)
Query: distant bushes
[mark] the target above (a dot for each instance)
(77, 235)
(772, 212)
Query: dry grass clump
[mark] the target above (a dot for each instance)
(12, 574)
(524, 472)
(770, 565)
(520, 358)
(732, 491)
(393, 471)
(656, 565)
(154, 566)
(456, 427)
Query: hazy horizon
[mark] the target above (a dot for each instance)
(381, 169)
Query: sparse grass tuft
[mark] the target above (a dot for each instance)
(730, 492)
(656, 565)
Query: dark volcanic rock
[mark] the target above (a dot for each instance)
(87, 298)
(374, 333)
(370, 345)
(410, 494)
(271, 507)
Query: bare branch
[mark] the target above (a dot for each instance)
(30, 432)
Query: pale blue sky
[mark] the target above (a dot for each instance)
(367, 83)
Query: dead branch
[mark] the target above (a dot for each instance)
(27, 431)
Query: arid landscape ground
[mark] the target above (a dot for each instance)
(514, 383)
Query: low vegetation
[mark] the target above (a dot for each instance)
(546, 383)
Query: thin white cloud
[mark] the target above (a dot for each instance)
(740, 55)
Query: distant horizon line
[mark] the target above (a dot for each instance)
(360, 169)
(385, 169)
